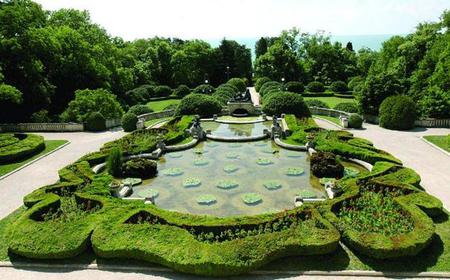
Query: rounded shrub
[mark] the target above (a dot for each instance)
(205, 89)
(339, 86)
(294, 86)
(238, 83)
(269, 85)
(139, 95)
(397, 112)
(139, 167)
(129, 121)
(355, 121)
(286, 102)
(139, 109)
(223, 95)
(315, 86)
(261, 81)
(199, 104)
(181, 91)
(95, 122)
(228, 87)
(162, 91)
(316, 103)
(349, 107)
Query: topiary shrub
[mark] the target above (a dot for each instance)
(269, 85)
(286, 102)
(162, 91)
(349, 107)
(204, 89)
(294, 86)
(355, 121)
(260, 82)
(139, 109)
(325, 164)
(181, 91)
(238, 83)
(139, 95)
(339, 86)
(114, 162)
(95, 122)
(228, 87)
(140, 167)
(129, 121)
(397, 112)
(315, 86)
(199, 104)
(316, 103)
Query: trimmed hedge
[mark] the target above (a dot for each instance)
(285, 102)
(129, 121)
(139, 109)
(316, 103)
(17, 147)
(204, 89)
(349, 107)
(162, 91)
(294, 86)
(355, 121)
(315, 86)
(199, 104)
(181, 91)
(398, 112)
(95, 122)
(338, 86)
(238, 83)
(269, 85)
(260, 82)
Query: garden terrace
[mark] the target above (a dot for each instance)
(80, 213)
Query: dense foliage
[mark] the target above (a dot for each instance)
(285, 103)
(316, 103)
(181, 91)
(325, 164)
(114, 162)
(294, 86)
(315, 86)
(238, 83)
(199, 104)
(95, 121)
(349, 107)
(339, 86)
(398, 112)
(139, 168)
(129, 121)
(139, 109)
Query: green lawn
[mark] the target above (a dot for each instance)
(442, 141)
(161, 105)
(332, 119)
(50, 145)
(332, 100)
(152, 122)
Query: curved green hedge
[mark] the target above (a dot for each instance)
(16, 147)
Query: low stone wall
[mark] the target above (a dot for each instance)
(156, 115)
(113, 123)
(34, 127)
(433, 123)
(289, 146)
(327, 112)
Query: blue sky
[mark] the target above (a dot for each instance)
(208, 19)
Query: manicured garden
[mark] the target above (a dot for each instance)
(442, 141)
(17, 150)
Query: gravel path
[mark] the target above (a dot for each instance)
(432, 164)
(45, 171)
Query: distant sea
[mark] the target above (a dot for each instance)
(373, 42)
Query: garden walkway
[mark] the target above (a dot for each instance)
(45, 171)
(255, 96)
(432, 165)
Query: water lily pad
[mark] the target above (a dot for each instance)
(174, 155)
(294, 154)
(132, 181)
(350, 171)
(230, 168)
(232, 155)
(200, 162)
(295, 171)
(235, 145)
(272, 185)
(325, 180)
(264, 161)
(307, 194)
(148, 193)
(227, 184)
(175, 171)
(191, 182)
(251, 198)
(206, 199)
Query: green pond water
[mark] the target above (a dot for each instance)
(233, 130)
(215, 178)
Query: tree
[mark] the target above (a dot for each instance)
(88, 101)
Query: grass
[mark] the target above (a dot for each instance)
(4, 223)
(442, 141)
(154, 121)
(331, 119)
(332, 100)
(161, 105)
(50, 145)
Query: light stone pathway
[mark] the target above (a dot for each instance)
(45, 171)
(432, 164)
(255, 96)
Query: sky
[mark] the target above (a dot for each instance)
(210, 19)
